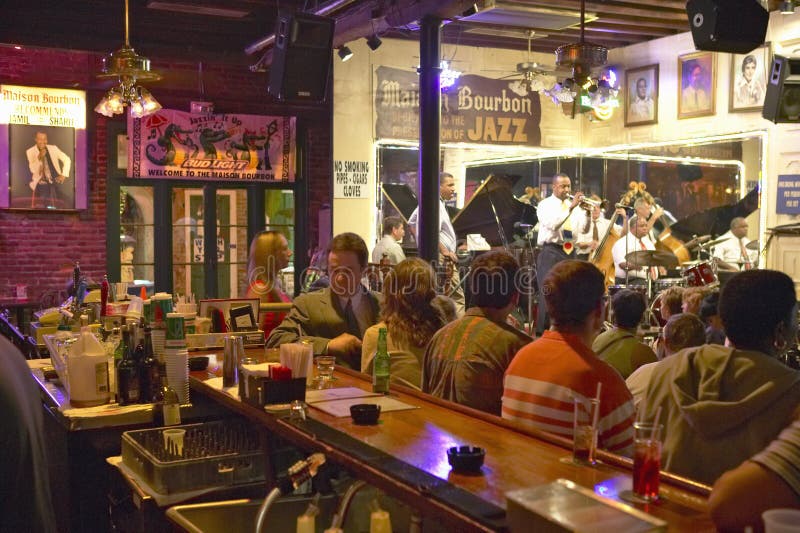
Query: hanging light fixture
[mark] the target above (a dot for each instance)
(345, 53)
(127, 67)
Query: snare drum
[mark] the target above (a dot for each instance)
(700, 275)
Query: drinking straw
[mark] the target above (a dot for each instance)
(596, 414)
(654, 431)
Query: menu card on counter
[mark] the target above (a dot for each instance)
(324, 395)
(341, 408)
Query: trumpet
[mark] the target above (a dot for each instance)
(587, 203)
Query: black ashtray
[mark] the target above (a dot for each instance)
(466, 458)
(365, 414)
(198, 363)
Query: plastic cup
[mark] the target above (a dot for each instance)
(646, 460)
(174, 437)
(584, 436)
(781, 520)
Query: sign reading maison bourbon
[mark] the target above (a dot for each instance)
(474, 110)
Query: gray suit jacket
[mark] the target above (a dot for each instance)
(318, 317)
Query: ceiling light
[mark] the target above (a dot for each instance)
(127, 67)
(787, 7)
(345, 53)
(471, 10)
(374, 42)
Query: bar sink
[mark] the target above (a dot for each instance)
(233, 516)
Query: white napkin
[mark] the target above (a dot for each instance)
(300, 358)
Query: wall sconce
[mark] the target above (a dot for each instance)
(345, 53)
(787, 7)
(374, 42)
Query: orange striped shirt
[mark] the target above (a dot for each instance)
(546, 375)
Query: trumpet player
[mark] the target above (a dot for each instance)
(559, 224)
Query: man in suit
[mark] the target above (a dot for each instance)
(49, 168)
(334, 318)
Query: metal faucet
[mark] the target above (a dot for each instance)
(344, 503)
(298, 473)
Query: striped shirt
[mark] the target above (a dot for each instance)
(782, 456)
(546, 376)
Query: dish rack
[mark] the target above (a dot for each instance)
(214, 454)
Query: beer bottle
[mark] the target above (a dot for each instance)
(380, 365)
(148, 371)
(166, 406)
(128, 382)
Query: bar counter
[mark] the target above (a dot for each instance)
(515, 458)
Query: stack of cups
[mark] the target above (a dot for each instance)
(176, 356)
(189, 312)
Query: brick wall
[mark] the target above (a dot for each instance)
(37, 249)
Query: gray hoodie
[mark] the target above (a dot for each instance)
(720, 406)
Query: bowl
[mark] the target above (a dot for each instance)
(365, 414)
(198, 363)
(466, 458)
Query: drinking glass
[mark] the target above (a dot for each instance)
(646, 460)
(325, 366)
(584, 439)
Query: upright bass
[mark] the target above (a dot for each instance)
(601, 256)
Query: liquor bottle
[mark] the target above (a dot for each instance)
(128, 382)
(149, 372)
(104, 286)
(122, 346)
(380, 365)
(166, 406)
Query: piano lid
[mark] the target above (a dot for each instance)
(478, 215)
(715, 220)
(401, 197)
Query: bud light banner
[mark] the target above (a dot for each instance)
(474, 110)
(178, 145)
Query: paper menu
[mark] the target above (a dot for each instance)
(341, 408)
(315, 396)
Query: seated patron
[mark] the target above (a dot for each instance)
(692, 299)
(720, 405)
(619, 346)
(269, 254)
(466, 359)
(769, 480)
(683, 330)
(715, 334)
(411, 314)
(547, 375)
(671, 301)
(334, 318)
(388, 250)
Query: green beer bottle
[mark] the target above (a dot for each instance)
(380, 365)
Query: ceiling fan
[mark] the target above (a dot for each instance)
(532, 76)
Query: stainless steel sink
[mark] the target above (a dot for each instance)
(235, 516)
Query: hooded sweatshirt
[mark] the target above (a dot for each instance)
(719, 406)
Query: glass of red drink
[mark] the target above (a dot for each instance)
(646, 460)
(584, 434)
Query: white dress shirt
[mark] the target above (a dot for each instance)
(387, 245)
(730, 251)
(551, 212)
(602, 226)
(41, 170)
(619, 250)
(447, 235)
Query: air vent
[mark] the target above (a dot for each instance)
(509, 13)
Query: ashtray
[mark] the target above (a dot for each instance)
(198, 363)
(466, 458)
(365, 414)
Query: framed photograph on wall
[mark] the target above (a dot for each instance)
(749, 79)
(43, 145)
(641, 95)
(697, 78)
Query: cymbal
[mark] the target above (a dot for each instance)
(717, 241)
(652, 258)
(697, 240)
(752, 245)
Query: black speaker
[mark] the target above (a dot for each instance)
(736, 26)
(301, 58)
(782, 101)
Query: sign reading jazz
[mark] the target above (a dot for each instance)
(178, 145)
(43, 147)
(474, 110)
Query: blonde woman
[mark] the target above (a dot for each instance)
(411, 313)
(269, 254)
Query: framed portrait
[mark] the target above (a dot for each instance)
(697, 78)
(43, 140)
(749, 79)
(641, 95)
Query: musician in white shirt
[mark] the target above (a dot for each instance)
(588, 241)
(559, 224)
(634, 240)
(733, 253)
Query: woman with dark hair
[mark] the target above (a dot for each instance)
(411, 313)
(722, 404)
(269, 254)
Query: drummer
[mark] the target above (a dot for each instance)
(731, 251)
(634, 240)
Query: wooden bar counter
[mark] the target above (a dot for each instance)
(515, 458)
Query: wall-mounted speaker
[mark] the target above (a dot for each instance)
(736, 26)
(782, 101)
(301, 58)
